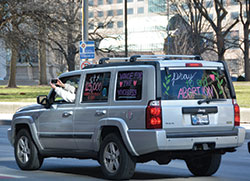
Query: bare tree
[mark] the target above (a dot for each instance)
(217, 24)
(188, 24)
(245, 7)
(10, 21)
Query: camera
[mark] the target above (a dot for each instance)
(53, 81)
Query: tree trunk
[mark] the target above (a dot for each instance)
(246, 52)
(220, 45)
(42, 58)
(14, 56)
(71, 57)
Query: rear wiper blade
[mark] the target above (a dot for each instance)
(208, 100)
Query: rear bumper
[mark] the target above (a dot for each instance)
(147, 141)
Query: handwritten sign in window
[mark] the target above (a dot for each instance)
(194, 84)
(96, 87)
(129, 85)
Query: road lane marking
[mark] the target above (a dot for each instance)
(10, 176)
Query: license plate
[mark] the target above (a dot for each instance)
(200, 119)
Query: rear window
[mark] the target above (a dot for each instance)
(185, 84)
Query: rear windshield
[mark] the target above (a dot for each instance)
(185, 84)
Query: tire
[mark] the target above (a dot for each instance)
(205, 165)
(26, 153)
(116, 162)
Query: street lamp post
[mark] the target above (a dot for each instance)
(126, 27)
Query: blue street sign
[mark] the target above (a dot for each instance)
(87, 49)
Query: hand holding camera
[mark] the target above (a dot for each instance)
(53, 81)
(56, 82)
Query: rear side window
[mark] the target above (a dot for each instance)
(184, 84)
(129, 85)
(96, 87)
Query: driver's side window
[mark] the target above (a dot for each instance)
(67, 93)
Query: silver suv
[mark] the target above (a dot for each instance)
(135, 109)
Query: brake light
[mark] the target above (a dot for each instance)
(193, 65)
(236, 113)
(154, 115)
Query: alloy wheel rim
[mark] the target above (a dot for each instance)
(112, 157)
(23, 149)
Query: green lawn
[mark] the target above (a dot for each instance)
(29, 93)
(242, 90)
(22, 93)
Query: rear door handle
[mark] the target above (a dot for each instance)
(67, 114)
(100, 112)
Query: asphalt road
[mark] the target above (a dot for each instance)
(235, 166)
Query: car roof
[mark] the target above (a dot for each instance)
(162, 60)
(182, 63)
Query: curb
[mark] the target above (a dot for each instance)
(12, 107)
(5, 122)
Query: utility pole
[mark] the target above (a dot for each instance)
(126, 27)
(85, 18)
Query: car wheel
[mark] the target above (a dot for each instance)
(205, 165)
(116, 162)
(26, 153)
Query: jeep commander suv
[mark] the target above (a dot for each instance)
(136, 109)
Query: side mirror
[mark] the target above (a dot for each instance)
(43, 100)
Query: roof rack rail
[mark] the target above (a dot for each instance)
(103, 60)
(165, 57)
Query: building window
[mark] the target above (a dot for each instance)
(211, 16)
(234, 15)
(91, 3)
(100, 25)
(100, 13)
(140, 0)
(233, 2)
(156, 6)
(110, 24)
(130, 11)
(100, 2)
(119, 12)
(207, 39)
(209, 4)
(249, 38)
(119, 24)
(91, 14)
(109, 1)
(129, 1)
(184, 6)
(245, 14)
(91, 26)
(224, 2)
(110, 13)
(119, 1)
(232, 39)
(140, 10)
(173, 7)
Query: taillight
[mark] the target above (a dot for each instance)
(236, 113)
(193, 65)
(153, 115)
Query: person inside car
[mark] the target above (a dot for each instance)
(65, 91)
